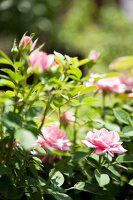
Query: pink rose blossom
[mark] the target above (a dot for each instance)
(104, 141)
(94, 55)
(53, 138)
(111, 84)
(67, 118)
(40, 60)
(27, 40)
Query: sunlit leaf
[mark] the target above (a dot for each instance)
(26, 138)
(121, 115)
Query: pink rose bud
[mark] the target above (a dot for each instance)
(104, 141)
(54, 139)
(94, 55)
(67, 118)
(111, 84)
(40, 60)
(27, 40)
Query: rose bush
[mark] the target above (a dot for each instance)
(48, 111)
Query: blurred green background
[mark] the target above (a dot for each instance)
(72, 27)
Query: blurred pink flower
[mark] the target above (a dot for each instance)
(111, 84)
(92, 79)
(94, 55)
(104, 141)
(27, 40)
(127, 81)
(67, 118)
(53, 138)
(131, 94)
(40, 60)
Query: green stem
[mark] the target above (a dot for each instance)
(75, 131)
(49, 179)
(45, 112)
(100, 162)
(26, 98)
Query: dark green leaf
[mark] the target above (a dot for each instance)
(124, 159)
(59, 196)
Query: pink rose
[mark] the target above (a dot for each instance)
(40, 60)
(67, 118)
(94, 55)
(111, 84)
(27, 40)
(53, 138)
(104, 141)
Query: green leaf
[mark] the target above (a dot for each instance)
(57, 179)
(6, 57)
(26, 138)
(92, 162)
(89, 89)
(57, 152)
(89, 100)
(102, 179)
(4, 61)
(12, 120)
(124, 158)
(79, 186)
(74, 72)
(122, 63)
(4, 82)
(121, 115)
(59, 101)
(13, 75)
(131, 182)
(87, 187)
(60, 196)
(9, 93)
(34, 111)
(83, 62)
(112, 173)
(128, 131)
(112, 127)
